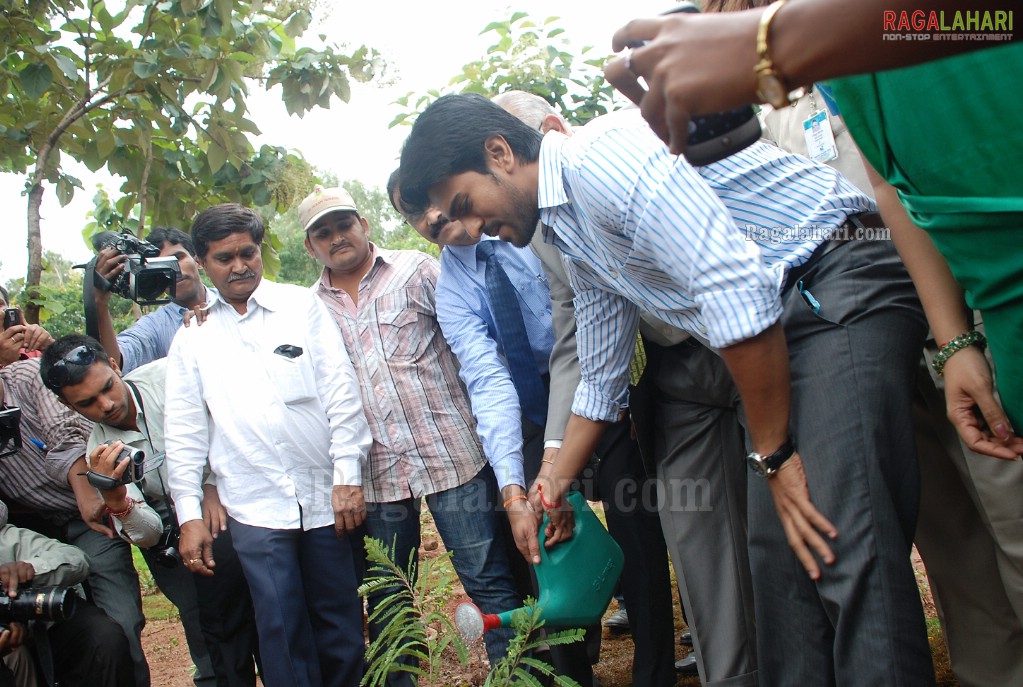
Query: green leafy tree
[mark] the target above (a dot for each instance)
(156, 92)
(534, 57)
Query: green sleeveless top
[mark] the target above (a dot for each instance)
(947, 134)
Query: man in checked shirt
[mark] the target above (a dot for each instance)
(424, 442)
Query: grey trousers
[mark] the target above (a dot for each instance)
(970, 535)
(853, 366)
(114, 586)
(701, 474)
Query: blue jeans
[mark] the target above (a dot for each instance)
(468, 522)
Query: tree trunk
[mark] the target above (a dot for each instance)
(35, 255)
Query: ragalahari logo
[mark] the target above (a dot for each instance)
(940, 25)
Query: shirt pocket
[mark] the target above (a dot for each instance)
(292, 379)
(400, 335)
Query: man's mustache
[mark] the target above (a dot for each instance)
(236, 277)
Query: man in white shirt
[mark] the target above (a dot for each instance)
(266, 390)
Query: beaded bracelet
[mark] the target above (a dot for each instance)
(970, 338)
(127, 509)
(513, 499)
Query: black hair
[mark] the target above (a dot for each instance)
(449, 138)
(60, 348)
(161, 235)
(6, 296)
(393, 184)
(220, 221)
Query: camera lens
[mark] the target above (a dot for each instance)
(39, 603)
(150, 285)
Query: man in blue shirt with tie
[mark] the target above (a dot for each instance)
(763, 255)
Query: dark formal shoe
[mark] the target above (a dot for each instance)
(686, 638)
(687, 666)
(618, 621)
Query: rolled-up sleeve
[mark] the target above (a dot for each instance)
(150, 338)
(54, 563)
(606, 337)
(66, 435)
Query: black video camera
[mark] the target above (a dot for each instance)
(135, 471)
(38, 603)
(146, 276)
(10, 431)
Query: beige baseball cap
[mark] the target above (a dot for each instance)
(322, 201)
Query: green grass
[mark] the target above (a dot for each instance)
(155, 605)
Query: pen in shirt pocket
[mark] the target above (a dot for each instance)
(38, 444)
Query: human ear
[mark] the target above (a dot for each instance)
(499, 153)
(552, 122)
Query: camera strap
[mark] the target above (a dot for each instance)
(89, 300)
(44, 653)
(149, 438)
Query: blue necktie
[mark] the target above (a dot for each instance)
(514, 340)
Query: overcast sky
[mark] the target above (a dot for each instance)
(425, 47)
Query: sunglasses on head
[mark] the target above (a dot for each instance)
(59, 375)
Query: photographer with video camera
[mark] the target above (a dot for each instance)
(42, 482)
(126, 465)
(75, 643)
(150, 338)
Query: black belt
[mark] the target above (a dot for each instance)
(843, 234)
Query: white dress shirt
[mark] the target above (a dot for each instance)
(279, 431)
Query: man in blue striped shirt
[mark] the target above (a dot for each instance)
(740, 252)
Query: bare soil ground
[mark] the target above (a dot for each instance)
(171, 666)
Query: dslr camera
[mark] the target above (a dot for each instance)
(146, 276)
(38, 603)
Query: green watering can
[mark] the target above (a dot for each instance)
(576, 578)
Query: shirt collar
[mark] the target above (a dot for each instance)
(381, 256)
(265, 296)
(467, 254)
(551, 186)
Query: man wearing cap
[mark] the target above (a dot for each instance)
(424, 442)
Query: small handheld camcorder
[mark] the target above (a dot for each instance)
(146, 276)
(135, 471)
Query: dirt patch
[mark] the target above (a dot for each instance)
(171, 666)
(167, 652)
